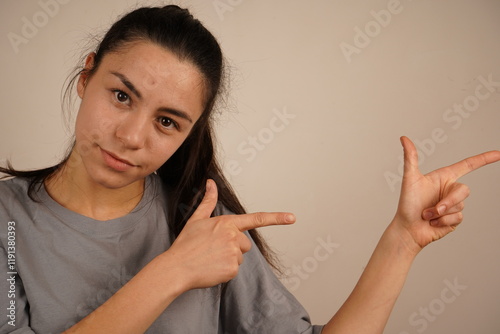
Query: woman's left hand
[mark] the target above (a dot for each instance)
(430, 206)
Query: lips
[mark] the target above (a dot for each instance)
(115, 162)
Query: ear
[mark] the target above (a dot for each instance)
(85, 74)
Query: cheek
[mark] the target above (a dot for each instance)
(91, 126)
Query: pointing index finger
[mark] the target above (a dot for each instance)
(470, 164)
(260, 219)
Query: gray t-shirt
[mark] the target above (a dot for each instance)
(58, 266)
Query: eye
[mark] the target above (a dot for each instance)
(167, 123)
(121, 96)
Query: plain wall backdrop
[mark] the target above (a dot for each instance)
(321, 91)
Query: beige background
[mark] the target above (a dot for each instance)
(329, 160)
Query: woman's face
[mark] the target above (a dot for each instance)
(136, 110)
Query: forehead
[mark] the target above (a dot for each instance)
(156, 71)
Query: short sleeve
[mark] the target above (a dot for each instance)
(15, 316)
(255, 301)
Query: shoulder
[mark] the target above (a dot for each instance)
(13, 188)
(13, 194)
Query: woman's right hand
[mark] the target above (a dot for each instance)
(209, 251)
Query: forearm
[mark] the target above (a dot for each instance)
(134, 307)
(368, 307)
(439, 198)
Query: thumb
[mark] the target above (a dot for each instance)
(208, 202)
(410, 156)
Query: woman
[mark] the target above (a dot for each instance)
(135, 231)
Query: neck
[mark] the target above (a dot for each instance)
(75, 191)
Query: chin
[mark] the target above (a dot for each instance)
(113, 180)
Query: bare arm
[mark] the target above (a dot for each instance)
(429, 208)
(134, 307)
(206, 254)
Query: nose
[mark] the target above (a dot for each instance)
(133, 130)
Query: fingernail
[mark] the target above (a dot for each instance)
(209, 185)
(441, 209)
(290, 218)
(428, 215)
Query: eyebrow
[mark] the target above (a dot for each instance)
(134, 90)
(127, 83)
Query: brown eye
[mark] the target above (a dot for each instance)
(167, 123)
(122, 97)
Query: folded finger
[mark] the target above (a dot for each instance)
(458, 193)
(245, 243)
(451, 220)
(240, 258)
(457, 208)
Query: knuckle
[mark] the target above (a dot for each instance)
(233, 252)
(465, 189)
(231, 234)
(246, 245)
(226, 230)
(259, 219)
(232, 271)
(233, 266)
(223, 222)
